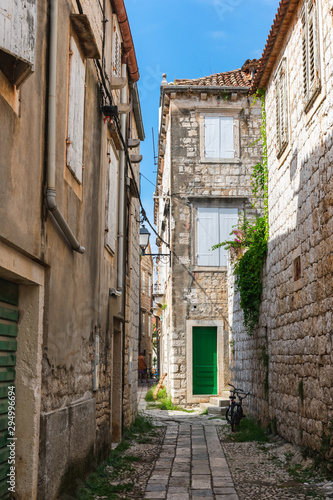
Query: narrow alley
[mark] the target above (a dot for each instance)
(198, 461)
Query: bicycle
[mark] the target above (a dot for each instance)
(238, 413)
(230, 410)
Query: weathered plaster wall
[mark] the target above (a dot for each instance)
(75, 420)
(296, 316)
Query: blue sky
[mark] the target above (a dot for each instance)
(190, 39)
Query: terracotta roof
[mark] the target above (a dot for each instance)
(274, 42)
(236, 78)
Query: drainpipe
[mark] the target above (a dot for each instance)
(121, 214)
(51, 154)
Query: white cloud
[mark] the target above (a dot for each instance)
(217, 34)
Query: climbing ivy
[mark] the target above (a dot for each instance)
(249, 241)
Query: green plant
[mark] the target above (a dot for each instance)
(164, 306)
(301, 390)
(252, 236)
(249, 430)
(248, 271)
(99, 483)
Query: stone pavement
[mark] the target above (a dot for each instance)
(191, 464)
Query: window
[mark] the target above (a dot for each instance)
(281, 100)
(310, 53)
(149, 285)
(214, 225)
(143, 323)
(149, 326)
(116, 48)
(143, 282)
(75, 111)
(18, 25)
(219, 137)
(111, 200)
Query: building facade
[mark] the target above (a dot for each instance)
(69, 237)
(205, 159)
(293, 387)
(147, 317)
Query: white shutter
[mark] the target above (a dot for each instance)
(143, 282)
(111, 200)
(75, 111)
(207, 236)
(116, 48)
(212, 127)
(18, 22)
(228, 218)
(227, 141)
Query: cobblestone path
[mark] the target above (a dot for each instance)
(191, 465)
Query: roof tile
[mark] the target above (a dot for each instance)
(236, 78)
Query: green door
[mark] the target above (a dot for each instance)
(8, 334)
(204, 360)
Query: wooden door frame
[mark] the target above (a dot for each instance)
(219, 325)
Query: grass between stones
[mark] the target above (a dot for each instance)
(162, 402)
(249, 430)
(106, 481)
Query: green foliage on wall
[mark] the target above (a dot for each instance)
(249, 241)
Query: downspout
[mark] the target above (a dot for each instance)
(51, 154)
(121, 214)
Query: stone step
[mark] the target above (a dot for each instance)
(218, 401)
(213, 409)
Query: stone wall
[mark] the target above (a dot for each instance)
(193, 293)
(296, 314)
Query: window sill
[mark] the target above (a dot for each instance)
(73, 183)
(310, 109)
(219, 160)
(209, 269)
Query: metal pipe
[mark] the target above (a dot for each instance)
(122, 187)
(51, 154)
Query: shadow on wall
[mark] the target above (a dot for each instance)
(287, 363)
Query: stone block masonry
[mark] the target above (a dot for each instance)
(288, 361)
(195, 293)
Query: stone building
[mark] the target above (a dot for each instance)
(69, 237)
(146, 306)
(205, 159)
(288, 361)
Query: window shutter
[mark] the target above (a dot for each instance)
(212, 137)
(207, 236)
(305, 65)
(111, 200)
(116, 48)
(278, 115)
(75, 111)
(227, 142)
(18, 28)
(228, 218)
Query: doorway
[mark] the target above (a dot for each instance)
(204, 360)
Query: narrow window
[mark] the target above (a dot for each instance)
(219, 137)
(281, 99)
(111, 200)
(214, 225)
(310, 53)
(143, 282)
(116, 48)
(75, 122)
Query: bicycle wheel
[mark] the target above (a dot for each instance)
(235, 420)
(228, 414)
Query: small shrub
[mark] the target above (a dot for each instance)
(301, 390)
(250, 430)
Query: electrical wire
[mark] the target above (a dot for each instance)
(104, 90)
